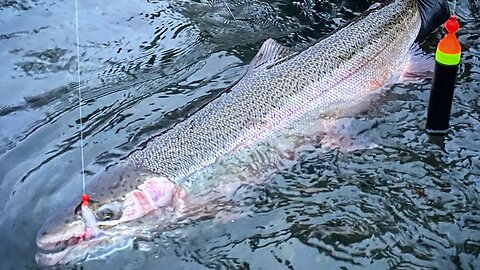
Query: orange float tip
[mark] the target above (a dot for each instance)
(449, 48)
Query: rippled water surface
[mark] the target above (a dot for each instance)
(411, 202)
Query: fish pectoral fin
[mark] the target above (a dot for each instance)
(270, 53)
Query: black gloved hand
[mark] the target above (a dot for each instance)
(433, 14)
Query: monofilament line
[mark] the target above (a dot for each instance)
(80, 99)
(226, 5)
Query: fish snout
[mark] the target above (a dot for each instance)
(59, 232)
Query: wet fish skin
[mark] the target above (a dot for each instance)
(336, 71)
(279, 90)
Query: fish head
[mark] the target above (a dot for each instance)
(121, 197)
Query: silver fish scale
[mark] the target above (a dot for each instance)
(335, 72)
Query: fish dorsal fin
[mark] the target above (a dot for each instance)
(270, 52)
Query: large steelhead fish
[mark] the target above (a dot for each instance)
(269, 111)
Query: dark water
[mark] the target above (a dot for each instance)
(410, 203)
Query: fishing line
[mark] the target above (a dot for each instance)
(225, 3)
(80, 99)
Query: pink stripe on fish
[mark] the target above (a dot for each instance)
(136, 205)
(153, 193)
(143, 202)
(159, 190)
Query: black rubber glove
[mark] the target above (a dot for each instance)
(433, 14)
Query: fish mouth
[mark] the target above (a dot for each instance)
(53, 253)
(55, 238)
(60, 244)
(75, 248)
(62, 252)
(55, 243)
(67, 249)
(73, 243)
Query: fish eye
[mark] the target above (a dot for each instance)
(106, 215)
(108, 212)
